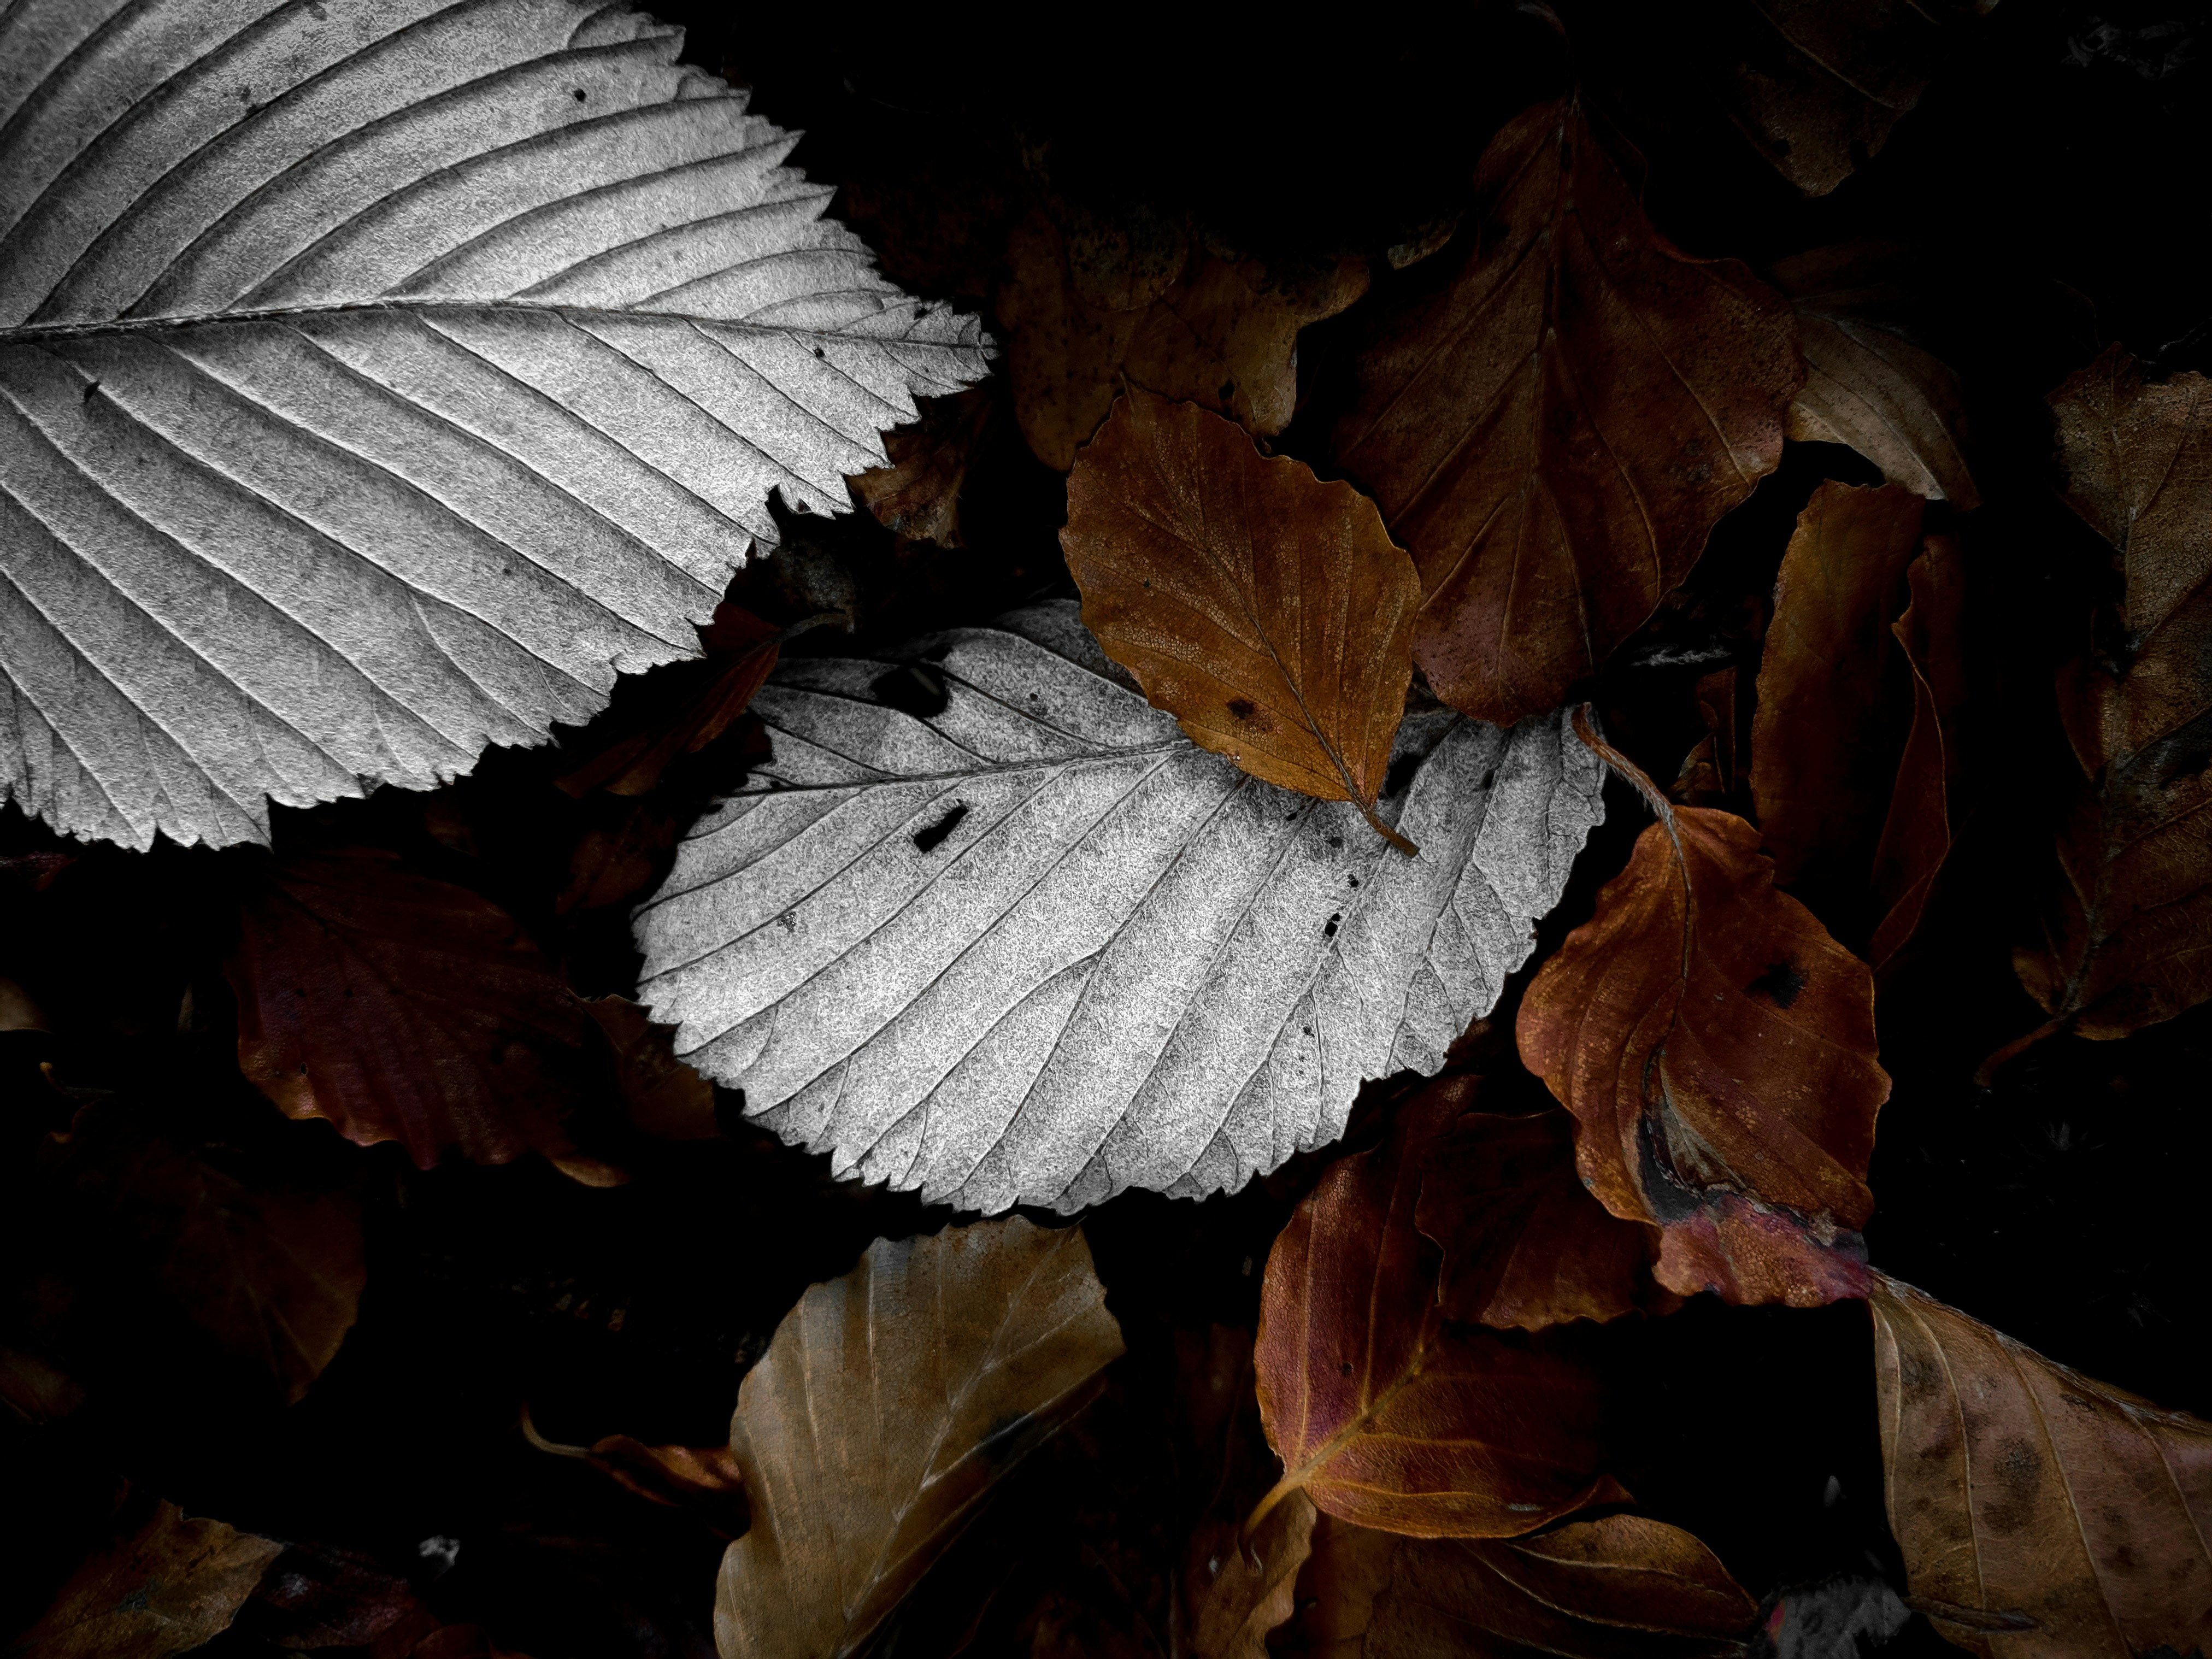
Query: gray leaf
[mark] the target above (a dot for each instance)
(1039, 946)
(379, 378)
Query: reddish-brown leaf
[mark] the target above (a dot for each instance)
(405, 1009)
(1524, 1242)
(705, 1479)
(2131, 940)
(1555, 433)
(1918, 831)
(665, 1097)
(917, 496)
(170, 1584)
(742, 650)
(1717, 1049)
(2042, 1514)
(1269, 611)
(1713, 768)
(1384, 1413)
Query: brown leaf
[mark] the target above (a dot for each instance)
(1349, 1568)
(325, 1597)
(742, 649)
(1818, 84)
(1524, 1242)
(615, 862)
(1556, 432)
(2042, 1514)
(705, 1479)
(887, 1408)
(1384, 1414)
(1868, 386)
(1269, 611)
(1916, 834)
(1830, 719)
(917, 496)
(405, 1009)
(1717, 1049)
(170, 1584)
(1713, 768)
(2132, 939)
(1608, 1588)
(665, 1097)
(1086, 310)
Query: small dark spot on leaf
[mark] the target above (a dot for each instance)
(579, 95)
(1345, 1370)
(1780, 983)
(930, 839)
(1329, 931)
(1336, 841)
(1227, 391)
(1239, 708)
(1354, 880)
(818, 351)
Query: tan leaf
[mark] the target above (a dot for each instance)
(2132, 942)
(1269, 611)
(405, 1009)
(887, 1408)
(1717, 1049)
(664, 1096)
(1621, 1588)
(2042, 1514)
(1866, 386)
(1383, 1413)
(1524, 1242)
(1348, 1568)
(1084, 312)
(1825, 738)
(172, 1584)
(1236, 1590)
(1554, 434)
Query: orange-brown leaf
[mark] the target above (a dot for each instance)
(1269, 611)
(405, 1009)
(1384, 1414)
(2042, 1514)
(173, 1584)
(917, 496)
(1717, 1049)
(2131, 940)
(1555, 433)
(1524, 1242)
(1918, 832)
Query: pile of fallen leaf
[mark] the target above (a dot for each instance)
(1420, 841)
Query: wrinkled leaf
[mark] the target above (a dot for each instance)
(1918, 832)
(1267, 611)
(1868, 386)
(1826, 737)
(1036, 947)
(405, 1009)
(2042, 1514)
(1384, 1414)
(887, 1408)
(917, 496)
(326, 1597)
(377, 386)
(704, 1480)
(1348, 1568)
(2131, 942)
(172, 1584)
(1554, 434)
(1717, 1049)
(1088, 308)
(1524, 1243)
(1713, 769)
(1620, 1588)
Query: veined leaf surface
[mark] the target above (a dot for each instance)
(377, 380)
(1038, 946)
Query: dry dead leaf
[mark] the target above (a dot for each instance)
(1916, 834)
(1868, 386)
(917, 496)
(170, 1584)
(405, 1009)
(1347, 1568)
(704, 1480)
(1085, 311)
(2042, 1514)
(1524, 1242)
(1554, 434)
(663, 1096)
(1267, 611)
(1831, 687)
(1384, 1414)
(2131, 943)
(744, 649)
(1717, 1049)
(1711, 770)
(887, 1408)
(1623, 1586)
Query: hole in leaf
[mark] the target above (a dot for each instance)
(928, 840)
(911, 689)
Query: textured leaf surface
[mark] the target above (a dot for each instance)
(1269, 612)
(888, 1407)
(174, 1584)
(1039, 946)
(1917, 832)
(1717, 1047)
(377, 381)
(2042, 1514)
(1383, 1413)
(2131, 941)
(1554, 434)
(1625, 1587)
(405, 1009)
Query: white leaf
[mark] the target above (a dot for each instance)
(377, 378)
(1039, 946)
